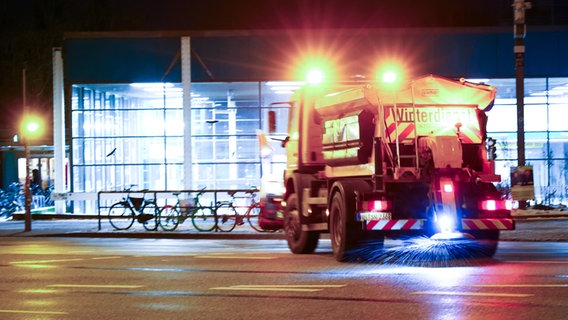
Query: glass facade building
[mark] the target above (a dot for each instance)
(127, 135)
(546, 134)
(133, 134)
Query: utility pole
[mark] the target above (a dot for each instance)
(519, 7)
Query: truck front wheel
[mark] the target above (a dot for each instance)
(299, 241)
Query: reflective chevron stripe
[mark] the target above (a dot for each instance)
(488, 224)
(411, 224)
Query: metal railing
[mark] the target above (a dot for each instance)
(208, 198)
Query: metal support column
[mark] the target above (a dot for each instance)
(186, 84)
(58, 129)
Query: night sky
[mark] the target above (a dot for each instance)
(30, 28)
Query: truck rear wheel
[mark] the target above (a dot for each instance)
(346, 235)
(299, 241)
(486, 241)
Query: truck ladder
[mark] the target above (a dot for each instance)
(413, 154)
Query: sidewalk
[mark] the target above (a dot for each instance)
(88, 226)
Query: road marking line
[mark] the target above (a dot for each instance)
(59, 260)
(539, 261)
(213, 256)
(45, 261)
(292, 285)
(521, 285)
(481, 294)
(33, 312)
(119, 286)
(268, 287)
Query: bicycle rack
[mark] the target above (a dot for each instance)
(105, 199)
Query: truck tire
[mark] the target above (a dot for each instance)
(299, 241)
(346, 235)
(486, 242)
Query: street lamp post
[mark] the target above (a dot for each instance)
(31, 127)
(27, 192)
(519, 7)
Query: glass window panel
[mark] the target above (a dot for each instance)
(502, 118)
(536, 118)
(151, 150)
(506, 144)
(506, 88)
(203, 149)
(203, 176)
(558, 91)
(248, 126)
(221, 149)
(175, 179)
(247, 149)
(535, 90)
(536, 145)
(558, 117)
(221, 127)
(558, 172)
(174, 123)
(540, 176)
(559, 145)
(174, 150)
(247, 113)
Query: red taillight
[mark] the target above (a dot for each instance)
(494, 205)
(377, 205)
(448, 187)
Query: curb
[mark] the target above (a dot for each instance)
(169, 235)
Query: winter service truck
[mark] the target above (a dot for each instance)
(365, 163)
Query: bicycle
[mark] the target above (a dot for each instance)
(202, 217)
(228, 216)
(123, 213)
(11, 200)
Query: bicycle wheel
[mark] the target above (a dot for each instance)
(203, 219)
(227, 218)
(149, 216)
(253, 218)
(121, 216)
(168, 218)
